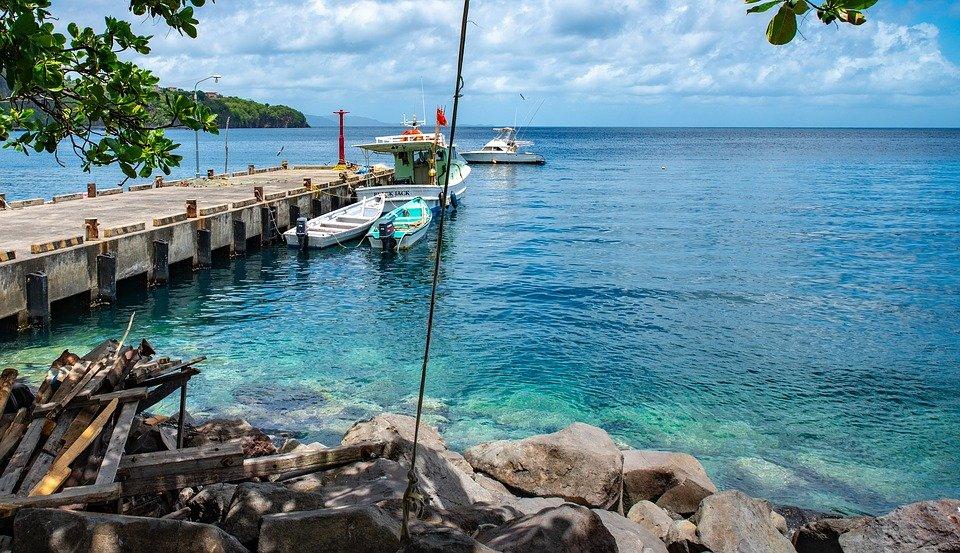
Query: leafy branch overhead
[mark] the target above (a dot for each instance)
(783, 27)
(66, 82)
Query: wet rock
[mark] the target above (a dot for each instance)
(630, 536)
(255, 442)
(211, 503)
(823, 536)
(569, 528)
(252, 501)
(579, 463)
(650, 475)
(60, 531)
(732, 522)
(924, 527)
(365, 529)
(682, 538)
(798, 516)
(651, 517)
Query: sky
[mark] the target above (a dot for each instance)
(591, 62)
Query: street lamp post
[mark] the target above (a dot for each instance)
(196, 133)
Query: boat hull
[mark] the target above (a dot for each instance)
(396, 195)
(527, 158)
(339, 226)
(407, 242)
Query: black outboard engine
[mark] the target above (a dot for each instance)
(302, 232)
(387, 239)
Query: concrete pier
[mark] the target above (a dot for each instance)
(83, 244)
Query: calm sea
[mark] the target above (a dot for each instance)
(783, 304)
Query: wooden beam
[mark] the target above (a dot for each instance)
(51, 447)
(61, 467)
(130, 394)
(69, 496)
(60, 403)
(157, 394)
(188, 459)
(173, 375)
(12, 436)
(257, 467)
(76, 374)
(7, 378)
(121, 430)
(22, 456)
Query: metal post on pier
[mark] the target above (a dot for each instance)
(342, 160)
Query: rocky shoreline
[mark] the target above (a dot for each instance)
(573, 490)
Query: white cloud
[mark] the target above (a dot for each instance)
(597, 51)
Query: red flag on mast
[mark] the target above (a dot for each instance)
(441, 118)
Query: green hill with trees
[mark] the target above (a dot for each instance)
(243, 113)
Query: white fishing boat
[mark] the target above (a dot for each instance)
(504, 148)
(338, 226)
(421, 161)
(403, 227)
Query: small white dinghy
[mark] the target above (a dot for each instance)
(338, 226)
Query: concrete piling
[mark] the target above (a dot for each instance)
(38, 299)
(107, 278)
(316, 207)
(239, 237)
(204, 256)
(161, 262)
(294, 211)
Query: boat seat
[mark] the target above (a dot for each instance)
(352, 219)
(334, 224)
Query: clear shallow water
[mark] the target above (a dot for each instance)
(782, 304)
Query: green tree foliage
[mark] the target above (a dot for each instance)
(75, 86)
(783, 27)
(245, 113)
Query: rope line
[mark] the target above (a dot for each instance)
(412, 497)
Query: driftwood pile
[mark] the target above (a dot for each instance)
(85, 439)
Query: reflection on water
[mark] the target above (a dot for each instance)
(791, 320)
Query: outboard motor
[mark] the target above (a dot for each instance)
(302, 232)
(387, 239)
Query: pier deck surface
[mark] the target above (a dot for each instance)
(20, 228)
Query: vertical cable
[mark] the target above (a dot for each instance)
(411, 474)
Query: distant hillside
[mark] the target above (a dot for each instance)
(350, 121)
(245, 113)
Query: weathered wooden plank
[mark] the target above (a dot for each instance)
(7, 378)
(168, 377)
(130, 394)
(61, 467)
(69, 496)
(77, 372)
(257, 467)
(157, 394)
(44, 459)
(18, 462)
(12, 436)
(188, 459)
(88, 377)
(144, 372)
(121, 430)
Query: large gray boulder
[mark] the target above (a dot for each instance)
(651, 517)
(579, 463)
(569, 528)
(211, 503)
(364, 529)
(674, 481)
(253, 501)
(823, 536)
(630, 536)
(445, 476)
(682, 538)
(732, 522)
(60, 531)
(925, 527)
(431, 538)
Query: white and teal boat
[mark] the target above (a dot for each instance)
(403, 227)
(421, 161)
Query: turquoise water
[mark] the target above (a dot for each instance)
(782, 304)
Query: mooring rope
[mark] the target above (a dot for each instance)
(412, 492)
